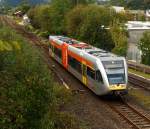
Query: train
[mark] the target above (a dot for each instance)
(101, 71)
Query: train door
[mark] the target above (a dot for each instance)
(84, 73)
(65, 55)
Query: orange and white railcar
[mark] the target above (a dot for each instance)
(100, 71)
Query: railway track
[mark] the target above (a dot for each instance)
(132, 116)
(136, 80)
(139, 81)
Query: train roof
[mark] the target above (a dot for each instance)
(96, 52)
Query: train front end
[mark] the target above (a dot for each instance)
(116, 78)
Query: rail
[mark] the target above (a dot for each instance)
(131, 115)
(139, 81)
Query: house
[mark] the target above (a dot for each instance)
(147, 13)
(135, 31)
(118, 9)
(18, 13)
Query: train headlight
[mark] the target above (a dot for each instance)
(117, 87)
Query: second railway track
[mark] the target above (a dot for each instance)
(139, 81)
(132, 116)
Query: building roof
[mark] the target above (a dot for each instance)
(148, 13)
(138, 25)
(118, 9)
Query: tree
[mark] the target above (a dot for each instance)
(23, 7)
(138, 4)
(132, 4)
(58, 12)
(87, 23)
(77, 2)
(118, 2)
(144, 46)
(50, 17)
(33, 15)
(60, 8)
(119, 38)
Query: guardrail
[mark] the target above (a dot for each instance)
(139, 67)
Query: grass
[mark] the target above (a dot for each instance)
(140, 73)
(140, 97)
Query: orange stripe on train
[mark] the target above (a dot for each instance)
(80, 59)
(65, 52)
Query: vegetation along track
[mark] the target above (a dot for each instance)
(128, 113)
(132, 116)
(35, 41)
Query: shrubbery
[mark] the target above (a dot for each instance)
(29, 97)
(88, 23)
(119, 37)
(50, 17)
(94, 24)
(144, 46)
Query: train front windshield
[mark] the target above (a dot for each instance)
(115, 72)
(116, 78)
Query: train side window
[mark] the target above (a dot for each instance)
(71, 61)
(91, 73)
(58, 52)
(99, 76)
(74, 64)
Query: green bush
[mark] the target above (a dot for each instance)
(50, 17)
(144, 46)
(26, 84)
(119, 37)
(29, 97)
